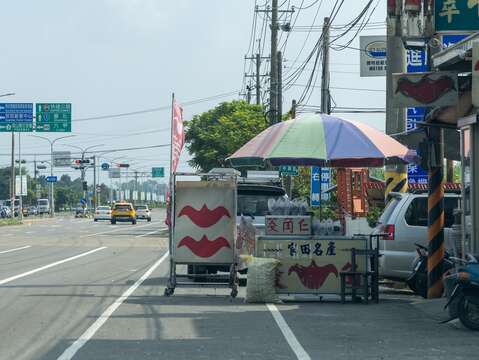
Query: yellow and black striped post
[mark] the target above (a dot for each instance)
(435, 206)
(395, 182)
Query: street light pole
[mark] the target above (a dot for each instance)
(12, 174)
(51, 187)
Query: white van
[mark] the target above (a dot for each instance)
(43, 206)
(405, 220)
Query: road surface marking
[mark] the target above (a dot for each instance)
(150, 233)
(90, 332)
(294, 344)
(19, 276)
(133, 227)
(16, 249)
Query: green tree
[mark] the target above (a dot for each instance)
(214, 135)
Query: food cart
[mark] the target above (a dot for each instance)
(309, 264)
(312, 264)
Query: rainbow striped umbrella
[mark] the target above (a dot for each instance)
(321, 140)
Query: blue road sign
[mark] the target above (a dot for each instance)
(416, 62)
(52, 179)
(83, 201)
(16, 117)
(320, 182)
(105, 166)
(315, 186)
(451, 39)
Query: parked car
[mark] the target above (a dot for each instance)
(16, 206)
(405, 220)
(253, 202)
(32, 210)
(143, 212)
(123, 212)
(102, 213)
(5, 212)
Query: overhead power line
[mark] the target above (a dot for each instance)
(156, 109)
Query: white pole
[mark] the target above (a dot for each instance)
(20, 213)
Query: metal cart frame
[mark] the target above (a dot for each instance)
(208, 280)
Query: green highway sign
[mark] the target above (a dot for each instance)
(54, 117)
(452, 15)
(158, 172)
(288, 170)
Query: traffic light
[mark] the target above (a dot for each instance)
(80, 161)
(85, 186)
(123, 165)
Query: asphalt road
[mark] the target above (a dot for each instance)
(72, 288)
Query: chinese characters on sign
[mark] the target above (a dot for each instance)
(16, 117)
(372, 56)
(453, 15)
(288, 225)
(320, 183)
(306, 250)
(288, 170)
(310, 265)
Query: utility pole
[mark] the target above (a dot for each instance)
(12, 182)
(435, 200)
(280, 86)
(257, 58)
(258, 83)
(396, 175)
(35, 171)
(273, 93)
(248, 94)
(325, 79)
(95, 193)
(20, 193)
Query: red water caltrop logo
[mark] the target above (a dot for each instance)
(204, 217)
(313, 276)
(205, 247)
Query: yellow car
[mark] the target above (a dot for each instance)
(123, 212)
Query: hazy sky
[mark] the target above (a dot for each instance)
(115, 56)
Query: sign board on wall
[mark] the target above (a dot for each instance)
(454, 15)
(310, 265)
(372, 56)
(205, 222)
(430, 89)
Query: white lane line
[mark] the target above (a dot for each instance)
(19, 276)
(16, 249)
(288, 334)
(121, 228)
(150, 233)
(90, 332)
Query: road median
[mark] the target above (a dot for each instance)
(10, 222)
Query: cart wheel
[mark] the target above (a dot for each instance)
(234, 292)
(169, 291)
